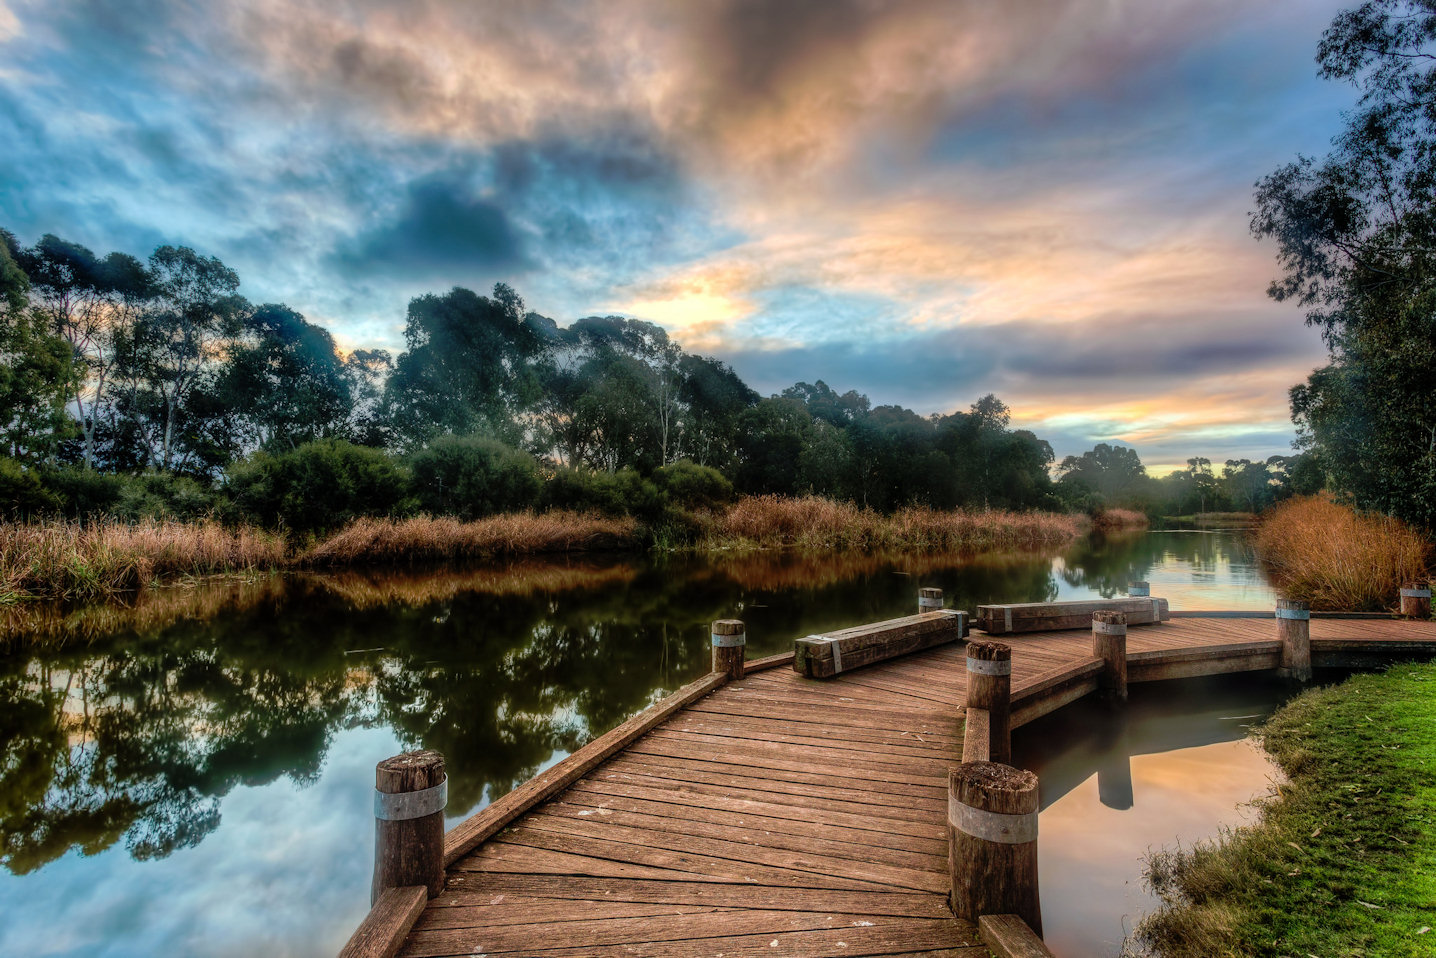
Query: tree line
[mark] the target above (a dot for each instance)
(159, 369)
(152, 387)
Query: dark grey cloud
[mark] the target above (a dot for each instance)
(443, 227)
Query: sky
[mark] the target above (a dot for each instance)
(926, 201)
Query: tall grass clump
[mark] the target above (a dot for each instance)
(1109, 520)
(1337, 558)
(426, 539)
(68, 560)
(813, 524)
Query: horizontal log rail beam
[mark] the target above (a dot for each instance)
(382, 932)
(1061, 616)
(1007, 936)
(832, 653)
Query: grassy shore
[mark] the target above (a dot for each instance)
(1343, 858)
(1339, 559)
(69, 560)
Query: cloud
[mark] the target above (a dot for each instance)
(1016, 190)
(442, 227)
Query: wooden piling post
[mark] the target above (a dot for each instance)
(1109, 643)
(1416, 600)
(989, 687)
(410, 792)
(928, 600)
(1293, 628)
(730, 640)
(1139, 590)
(992, 842)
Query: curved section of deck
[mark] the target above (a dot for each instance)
(785, 816)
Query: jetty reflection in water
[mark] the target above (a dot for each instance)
(177, 766)
(1172, 767)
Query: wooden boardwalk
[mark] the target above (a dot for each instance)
(786, 816)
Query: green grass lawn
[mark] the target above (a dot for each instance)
(1343, 860)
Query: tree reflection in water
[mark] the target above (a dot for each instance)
(129, 723)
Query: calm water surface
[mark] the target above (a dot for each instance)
(192, 774)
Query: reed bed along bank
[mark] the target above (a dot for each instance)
(1112, 520)
(424, 539)
(1338, 559)
(73, 561)
(811, 523)
(70, 560)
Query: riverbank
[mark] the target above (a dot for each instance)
(70, 560)
(1343, 858)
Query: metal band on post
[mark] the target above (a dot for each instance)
(402, 806)
(992, 826)
(1416, 593)
(928, 600)
(1110, 628)
(1296, 615)
(994, 667)
(730, 646)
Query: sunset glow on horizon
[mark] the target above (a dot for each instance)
(924, 201)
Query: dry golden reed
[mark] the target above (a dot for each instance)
(1110, 519)
(66, 559)
(1338, 559)
(811, 523)
(427, 539)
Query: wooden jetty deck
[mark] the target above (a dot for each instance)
(782, 815)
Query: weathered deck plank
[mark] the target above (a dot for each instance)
(784, 815)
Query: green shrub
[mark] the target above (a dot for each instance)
(473, 476)
(22, 495)
(84, 492)
(692, 486)
(318, 486)
(162, 495)
(621, 493)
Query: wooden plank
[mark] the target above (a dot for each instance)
(1009, 937)
(783, 935)
(830, 653)
(477, 888)
(739, 859)
(851, 818)
(496, 911)
(977, 743)
(883, 808)
(1058, 616)
(816, 836)
(470, 833)
(381, 934)
(887, 801)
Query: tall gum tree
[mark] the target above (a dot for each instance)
(1356, 242)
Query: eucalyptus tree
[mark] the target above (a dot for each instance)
(1356, 242)
(37, 371)
(469, 366)
(92, 303)
(181, 335)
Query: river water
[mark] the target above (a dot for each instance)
(191, 774)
